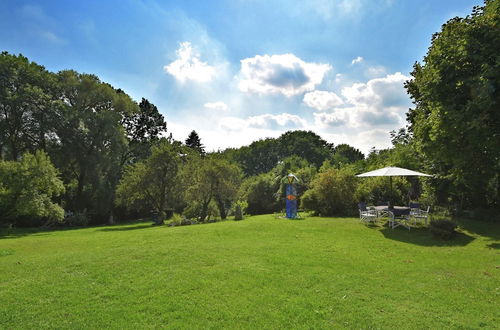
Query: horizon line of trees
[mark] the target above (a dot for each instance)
(77, 150)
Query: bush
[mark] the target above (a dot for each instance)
(239, 208)
(444, 229)
(178, 220)
(79, 219)
(260, 194)
(332, 193)
(238, 213)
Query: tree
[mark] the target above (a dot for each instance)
(332, 193)
(153, 181)
(456, 92)
(344, 154)
(27, 107)
(194, 142)
(91, 141)
(143, 128)
(263, 155)
(260, 193)
(27, 188)
(211, 179)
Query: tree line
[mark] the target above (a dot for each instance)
(78, 150)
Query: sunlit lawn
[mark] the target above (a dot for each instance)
(261, 272)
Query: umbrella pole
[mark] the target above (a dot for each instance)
(390, 182)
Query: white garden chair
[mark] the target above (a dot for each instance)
(366, 215)
(399, 219)
(418, 214)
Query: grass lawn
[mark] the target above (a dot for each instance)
(257, 273)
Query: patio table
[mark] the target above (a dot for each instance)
(398, 215)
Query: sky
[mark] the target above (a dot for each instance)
(240, 70)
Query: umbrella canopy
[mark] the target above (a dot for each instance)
(392, 171)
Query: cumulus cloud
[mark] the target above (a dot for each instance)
(284, 120)
(286, 74)
(387, 91)
(322, 100)
(265, 121)
(330, 119)
(358, 59)
(218, 106)
(188, 65)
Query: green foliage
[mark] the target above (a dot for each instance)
(27, 107)
(92, 141)
(263, 155)
(260, 193)
(78, 219)
(239, 208)
(27, 189)
(443, 228)
(344, 154)
(455, 120)
(154, 181)
(143, 128)
(332, 193)
(210, 179)
(194, 142)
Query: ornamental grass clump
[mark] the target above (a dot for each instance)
(443, 228)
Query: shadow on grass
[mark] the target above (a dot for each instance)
(121, 228)
(21, 232)
(490, 229)
(422, 237)
(494, 246)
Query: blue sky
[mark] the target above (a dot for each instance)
(240, 70)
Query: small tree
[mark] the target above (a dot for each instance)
(153, 181)
(211, 179)
(194, 142)
(332, 193)
(27, 188)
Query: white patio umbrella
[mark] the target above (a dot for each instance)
(392, 171)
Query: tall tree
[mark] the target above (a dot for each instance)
(143, 128)
(27, 106)
(91, 140)
(194, 142)
(344, 154)
(456, 92)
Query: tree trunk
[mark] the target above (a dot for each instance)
(222, 209)
(204, 210)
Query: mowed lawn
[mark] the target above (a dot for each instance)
(261, 272)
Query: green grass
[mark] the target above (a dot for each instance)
(257, 273)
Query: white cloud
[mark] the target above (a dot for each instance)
(284, 120)
(330, 119)
(286, 74)
(265, 121)
(219, 106)
(358, 59)
(322, 100)
(387, 91)
(188, 65)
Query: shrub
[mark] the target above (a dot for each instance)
(178, 220)
(332, 193)
(443, 228)
(78, 219)
(238, 213)
(239, 208)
